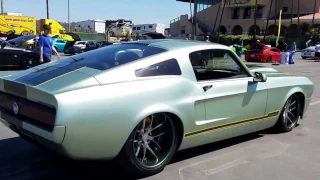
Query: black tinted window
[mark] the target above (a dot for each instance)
(110, 56)
(168, 67)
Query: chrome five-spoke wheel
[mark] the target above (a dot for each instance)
(290, 114)
(151, 145)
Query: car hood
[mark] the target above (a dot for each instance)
(269, 72)
(54, 79)
(21, 50)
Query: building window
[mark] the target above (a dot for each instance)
(259, 12)
(236, 13)
(247, 13)
(150, 26)
(285, 9)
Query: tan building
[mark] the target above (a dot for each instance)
(238, 18)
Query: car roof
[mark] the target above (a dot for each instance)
(172, 44)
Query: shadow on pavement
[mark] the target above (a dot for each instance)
(22, 160)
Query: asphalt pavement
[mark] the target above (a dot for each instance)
(258, 156)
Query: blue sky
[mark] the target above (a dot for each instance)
(139, 11)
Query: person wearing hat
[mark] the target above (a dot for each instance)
(46, 46)
(206, 39)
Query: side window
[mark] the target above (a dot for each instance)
(168, 67)
(213, 64)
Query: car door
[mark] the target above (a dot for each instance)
(8, 57)
(60, 45)
(234, 104)
(276, 54)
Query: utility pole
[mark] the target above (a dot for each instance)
(2, 11)
(69, 16)
(47, 3)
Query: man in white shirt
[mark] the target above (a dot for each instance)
(317, 52)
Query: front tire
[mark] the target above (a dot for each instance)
(290, 114)
(29, 61)
(151, 146)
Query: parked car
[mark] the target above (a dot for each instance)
(12, 56)
(101, 44)
(308, 53)
(140, 102)
(260, 52)
(25, 42)
(79, 47)
(59, 44)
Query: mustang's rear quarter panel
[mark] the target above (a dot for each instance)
(100, 119)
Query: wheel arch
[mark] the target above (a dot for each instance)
(171, 112)
(301, 95)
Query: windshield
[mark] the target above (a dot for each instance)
(20, 40)
(109, 56)
(5, 42)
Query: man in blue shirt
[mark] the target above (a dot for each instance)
(46, 46)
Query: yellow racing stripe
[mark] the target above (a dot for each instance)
(59, 76)
(232, 124)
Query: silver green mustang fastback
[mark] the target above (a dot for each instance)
(140, 102)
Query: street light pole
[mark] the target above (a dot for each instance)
(68, 16)
(47, 3)
(2, 11)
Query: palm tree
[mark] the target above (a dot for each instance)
(255, 20)
(47, 3)
(299, 17)
(314, 11)
(224, 5)
(215, 22)
(191, 18)
(265, 32)
(291, 12)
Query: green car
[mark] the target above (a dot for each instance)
(140, 102)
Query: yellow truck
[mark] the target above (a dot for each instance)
(18, 25)
(25, 25)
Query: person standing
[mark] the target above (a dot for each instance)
(46, 45)
(188, 37)
(206, 39)
(317, 52)
(293, 49)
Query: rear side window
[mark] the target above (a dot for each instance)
(164, 68)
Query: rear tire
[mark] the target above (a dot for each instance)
(150, 146)
(290, 114)
(304, 58)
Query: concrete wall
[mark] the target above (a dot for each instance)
(183, 24)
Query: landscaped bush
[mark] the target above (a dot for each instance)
(246, 39)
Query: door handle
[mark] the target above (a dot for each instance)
(206, 88)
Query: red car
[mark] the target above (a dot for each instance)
(259, 52)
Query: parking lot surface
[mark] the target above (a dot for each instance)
(264, 155)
